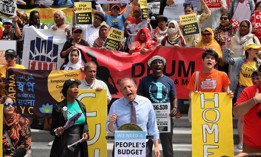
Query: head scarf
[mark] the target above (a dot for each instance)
(177, 33)
(242, 39)
(149, 43)
(102, 37)
(213, 44)
(72, 66)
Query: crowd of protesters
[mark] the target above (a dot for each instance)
(236, 50)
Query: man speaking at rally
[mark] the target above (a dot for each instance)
(136, 109)
(161, 91)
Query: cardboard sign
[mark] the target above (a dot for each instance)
(114, 39)
(213, 3)
(83, 14)
(189, 24)
(144, 9)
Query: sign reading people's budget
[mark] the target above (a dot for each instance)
(212, 130)
(130, 143)
(83, 14)
(189, 24)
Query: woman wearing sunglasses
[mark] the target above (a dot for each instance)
(16, 131)
(223, 34)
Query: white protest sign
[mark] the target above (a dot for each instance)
(130, 143)
(162, 111)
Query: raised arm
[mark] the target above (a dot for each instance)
(226, 56)
(205, 7)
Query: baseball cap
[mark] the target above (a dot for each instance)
(7, 21)
(67, 84)
(157, 58)
(76, 28)
(116, 5)
(100, 15)
(252, 46)
(162, 17)
(10, 52)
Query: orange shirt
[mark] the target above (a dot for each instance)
(209, 82)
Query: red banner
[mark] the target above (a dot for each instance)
(114, 65)
(213, 3)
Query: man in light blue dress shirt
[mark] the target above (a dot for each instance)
(120, 112)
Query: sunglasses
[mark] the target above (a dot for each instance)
(8, 104)
(206, 34)
(9, 57)
(223, 18)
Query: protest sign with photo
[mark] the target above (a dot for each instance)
(189, 24)
(162, 111)
(114, 39)
(212, 130)
(83, 14)
(130, 143)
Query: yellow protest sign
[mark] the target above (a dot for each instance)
(114, 39)
(83, 13)
(144, 9)
(96, 107)
(212, 130)
(189, 24)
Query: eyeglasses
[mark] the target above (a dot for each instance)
(206, 34)
(8, 104)
(9, 57)
(223, 18)
(97, 18)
